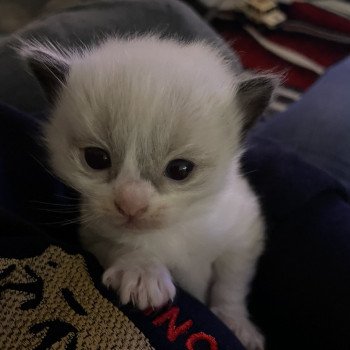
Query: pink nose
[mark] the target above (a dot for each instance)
(130, 211)
(132, 199)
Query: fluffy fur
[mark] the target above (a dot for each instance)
(148, 101)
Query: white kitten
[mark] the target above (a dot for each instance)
(149, 131)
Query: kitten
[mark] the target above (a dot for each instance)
(149, 131)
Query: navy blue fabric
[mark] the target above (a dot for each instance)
(317, 127)
(27, 189)
(300, 296)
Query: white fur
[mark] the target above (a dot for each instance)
(148, 101)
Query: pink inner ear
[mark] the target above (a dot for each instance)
(133, 198)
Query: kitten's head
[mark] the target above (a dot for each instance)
(145, 129)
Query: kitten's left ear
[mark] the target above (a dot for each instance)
(49, 64)
(254, 95)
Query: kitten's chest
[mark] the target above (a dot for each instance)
(189, 258)
(189, 247)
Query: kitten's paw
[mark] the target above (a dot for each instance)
(244, 329)
(144, 286)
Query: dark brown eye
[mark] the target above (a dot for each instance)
(97, 158)
(179, 169)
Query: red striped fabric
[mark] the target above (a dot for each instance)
(315, 15)
(324, 52)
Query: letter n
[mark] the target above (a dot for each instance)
(173, 330)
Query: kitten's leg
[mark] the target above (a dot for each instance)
(233, 272)
(139, 278)
(136, 275)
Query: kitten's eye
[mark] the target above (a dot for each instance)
(97, 158)
(179, 169)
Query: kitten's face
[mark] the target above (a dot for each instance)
(145, 131)
(144, 145)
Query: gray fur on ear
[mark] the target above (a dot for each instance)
(48, 63)
(254, 94)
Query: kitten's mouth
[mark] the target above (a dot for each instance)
(132, 223)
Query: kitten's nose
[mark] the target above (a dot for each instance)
(132, 199)
(130, 211)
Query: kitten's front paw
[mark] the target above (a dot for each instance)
(244, 329)
(144, 286)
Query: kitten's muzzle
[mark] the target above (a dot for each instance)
(132, 199)
(130, 212)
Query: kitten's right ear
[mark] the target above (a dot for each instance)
(254, 94)
(49, 64)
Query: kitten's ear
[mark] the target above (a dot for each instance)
(49, 64)
(254, 94)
